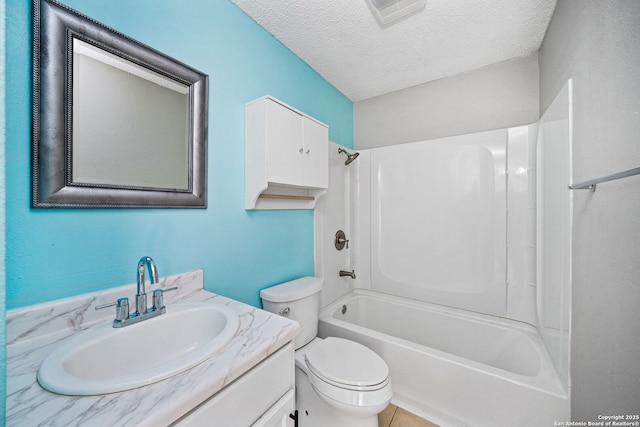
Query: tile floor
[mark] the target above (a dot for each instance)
(394, 416)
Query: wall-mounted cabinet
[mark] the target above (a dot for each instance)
(286, 156)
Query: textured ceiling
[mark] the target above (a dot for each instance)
(344, 43)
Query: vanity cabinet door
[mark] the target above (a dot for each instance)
(278, 415)
(262, 397)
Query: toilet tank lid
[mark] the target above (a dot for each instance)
(293, 290)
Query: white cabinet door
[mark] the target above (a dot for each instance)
(278, 414)
(316, 154)
(286, 156)
(284, 139)
(260, 397)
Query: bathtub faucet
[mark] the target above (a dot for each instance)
(351, 273)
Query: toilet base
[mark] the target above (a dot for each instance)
(315, 412)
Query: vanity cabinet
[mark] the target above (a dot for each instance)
(286, 156)
(262, 397)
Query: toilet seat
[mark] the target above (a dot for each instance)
(347, 364)
(346, 375)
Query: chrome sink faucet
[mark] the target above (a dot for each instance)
(123, 316)
(141, 295)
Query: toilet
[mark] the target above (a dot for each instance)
(339, 383)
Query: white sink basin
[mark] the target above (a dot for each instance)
(103, 359)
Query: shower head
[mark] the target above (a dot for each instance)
(350, 157)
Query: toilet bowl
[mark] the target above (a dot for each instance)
(345, 377)
(338, 382)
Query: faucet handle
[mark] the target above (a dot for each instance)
(340, 240)
(158, 301)
(122, 308)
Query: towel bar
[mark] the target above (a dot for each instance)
(591, 184)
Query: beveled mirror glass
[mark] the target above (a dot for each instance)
(116, 123)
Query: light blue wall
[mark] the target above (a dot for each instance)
(54, 253)
(2, 217)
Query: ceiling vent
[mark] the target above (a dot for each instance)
(390, 11)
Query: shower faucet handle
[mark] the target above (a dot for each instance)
(341, 240)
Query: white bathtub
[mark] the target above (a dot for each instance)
(454, 367)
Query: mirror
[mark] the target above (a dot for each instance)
(116, 123)
(124, 114)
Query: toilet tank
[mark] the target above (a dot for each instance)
(298, 300)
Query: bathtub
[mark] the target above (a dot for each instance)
(451, 366)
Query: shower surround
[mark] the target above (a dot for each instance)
(445, 230)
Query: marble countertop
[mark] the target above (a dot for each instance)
(33, 332)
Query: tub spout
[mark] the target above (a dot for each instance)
(351, 273)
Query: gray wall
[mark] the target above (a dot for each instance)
(493, 97)
(597, 43)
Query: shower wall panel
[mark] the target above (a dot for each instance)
(438, 221)
(331, 214)
(554, 229)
